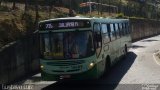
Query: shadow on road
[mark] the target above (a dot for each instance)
(137, 46)
(151, 40)
(109, 81)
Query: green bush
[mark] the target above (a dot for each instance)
(134, 17)
(4, 8)
(120, 15)
(59, 15)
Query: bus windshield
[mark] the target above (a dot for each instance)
(66, 45)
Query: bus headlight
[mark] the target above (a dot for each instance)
(42, 66)
(91, 65)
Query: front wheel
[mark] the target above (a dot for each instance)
(107, 65)
(125, 50)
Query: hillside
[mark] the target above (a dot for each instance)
(21, 20)
(15, 24)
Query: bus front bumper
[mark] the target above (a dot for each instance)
(90, 74)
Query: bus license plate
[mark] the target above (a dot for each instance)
(65, 76)
(77, 67)
(64, 67)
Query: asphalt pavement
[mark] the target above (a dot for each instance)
(138, 71)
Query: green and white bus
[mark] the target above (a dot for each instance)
(79, 48)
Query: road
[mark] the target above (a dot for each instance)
(138, 71)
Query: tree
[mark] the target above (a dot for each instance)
(50, 4)
(37, 14)
(98, 6)
(26, 6)
(101, 7)
(14, 4)
(0, 2)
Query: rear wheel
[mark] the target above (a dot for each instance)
(107, 64)
(106, 68)
(125, 50)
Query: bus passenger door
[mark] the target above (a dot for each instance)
(97, 39)
(98, 46)
(106, 39)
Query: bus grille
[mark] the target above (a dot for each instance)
(59, 71)
(65, 63)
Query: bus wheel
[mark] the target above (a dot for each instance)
(125, 50)
(107, 64)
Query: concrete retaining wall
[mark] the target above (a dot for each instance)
(141, 28)
(19, 59)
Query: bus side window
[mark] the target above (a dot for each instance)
(113, 34)
(105, 33)
(121, 29)
(47, 43)
(109, 31)
(117, 30)
(97, 38)
(125, 29)
(46, 46)
(42, 45)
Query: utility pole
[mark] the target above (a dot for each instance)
(98, 6)
(90, 7)
(158, 3)
(109, 7)
(14, 5)
(120, 6)
(101, 7)
(0, 2)
(26, 6)
(156, 6)
(70, 4)
(70, 10)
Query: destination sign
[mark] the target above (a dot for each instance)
(64, 24)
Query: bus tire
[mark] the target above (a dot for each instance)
(107, 64)
(125, 50)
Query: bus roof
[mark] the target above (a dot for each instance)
(85, 18)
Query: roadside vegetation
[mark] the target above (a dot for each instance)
(18, 23)
(19, 18)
